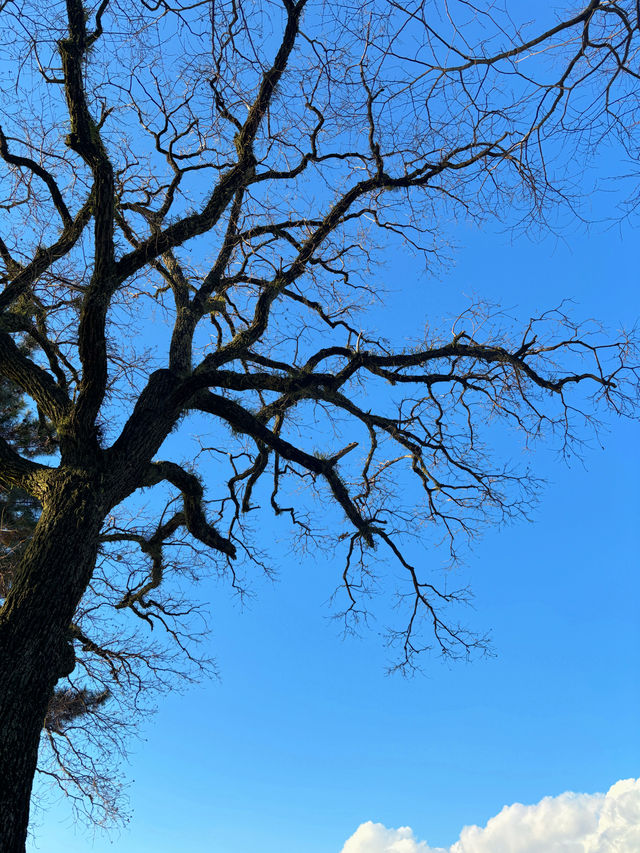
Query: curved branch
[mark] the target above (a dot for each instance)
(44, 257)
(192, 493)
(43, 174)
(243, 421)
(35, 381)
(16, 471)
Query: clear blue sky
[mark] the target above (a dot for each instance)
(304, 737)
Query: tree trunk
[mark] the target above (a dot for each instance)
(34, 647)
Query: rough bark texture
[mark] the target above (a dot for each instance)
(34, 646)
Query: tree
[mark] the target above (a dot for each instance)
(18, 509)
(232, 174)
(71, 709)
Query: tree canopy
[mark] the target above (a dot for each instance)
(198, 201)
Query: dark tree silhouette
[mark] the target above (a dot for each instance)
(74, 713)
(196, 199)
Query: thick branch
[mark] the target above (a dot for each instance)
(244, 422)
(85, 139)
(17, 472)
(35, 381)
(192, 493)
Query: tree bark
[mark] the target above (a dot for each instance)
(35, 650)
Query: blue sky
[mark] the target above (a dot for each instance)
(304, 738)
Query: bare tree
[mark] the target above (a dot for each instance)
(91, 715)
(197, 197)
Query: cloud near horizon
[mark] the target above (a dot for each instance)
(569, 823)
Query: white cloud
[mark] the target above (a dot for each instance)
(570, 823)
(375, 838)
